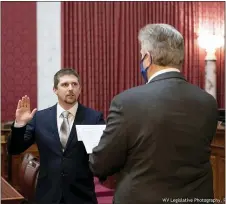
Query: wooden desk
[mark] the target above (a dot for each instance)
(3, 158)
(8, 194)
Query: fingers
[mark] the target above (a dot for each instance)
(19, 104)
(24, 102)
(28, 103)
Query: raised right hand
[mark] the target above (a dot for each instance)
(23, 111)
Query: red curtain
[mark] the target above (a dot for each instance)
(99, 40)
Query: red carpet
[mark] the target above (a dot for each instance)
(104, 195)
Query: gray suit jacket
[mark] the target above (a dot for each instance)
(158, 139)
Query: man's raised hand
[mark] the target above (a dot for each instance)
(23, 111)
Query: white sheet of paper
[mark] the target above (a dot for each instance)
(90, 135)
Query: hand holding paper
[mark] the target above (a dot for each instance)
(90, 135)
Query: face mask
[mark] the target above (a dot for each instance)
(144, 70)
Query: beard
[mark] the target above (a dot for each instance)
(70, 100)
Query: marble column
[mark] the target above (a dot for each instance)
(210, 77)
(48, 50)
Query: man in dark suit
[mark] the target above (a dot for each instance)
(158, 135)
(64, 175)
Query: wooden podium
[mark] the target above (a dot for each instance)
(9, 195)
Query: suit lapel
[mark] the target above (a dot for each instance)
(80, 116)
(79, 119)
(53, 117)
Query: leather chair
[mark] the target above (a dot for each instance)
(28, 176)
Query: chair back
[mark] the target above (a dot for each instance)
(28, 176)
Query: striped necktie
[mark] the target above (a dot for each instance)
(65, 129)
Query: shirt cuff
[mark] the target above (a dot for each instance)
(18, 125)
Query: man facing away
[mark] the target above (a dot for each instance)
(64, 175)
(158, 135)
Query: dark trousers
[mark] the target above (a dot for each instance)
(62, 200)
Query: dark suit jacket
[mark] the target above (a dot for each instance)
(65, 173)
(158, 137)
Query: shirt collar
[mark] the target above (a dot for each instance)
(72, 110)
(162, 72)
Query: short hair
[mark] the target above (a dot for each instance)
(164, 43)
(63, 72)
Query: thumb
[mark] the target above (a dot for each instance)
(33, 112)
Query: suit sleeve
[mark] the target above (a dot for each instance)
(100, 119)
(110, 154)
(21, 138)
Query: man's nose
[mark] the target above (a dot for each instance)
(70, 87)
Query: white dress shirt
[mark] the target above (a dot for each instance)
(71, 116)
(163, 72)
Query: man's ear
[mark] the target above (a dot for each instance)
(55, 90)
(148, 59)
